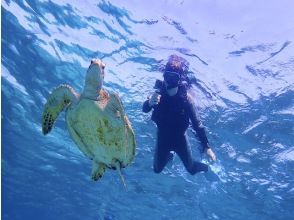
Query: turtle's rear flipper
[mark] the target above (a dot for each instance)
(98, 170)
(58, 100)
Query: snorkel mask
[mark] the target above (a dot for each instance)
(171, 79)
(175, 70)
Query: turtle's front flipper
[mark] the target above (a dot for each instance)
(98, 170)
(59, 99)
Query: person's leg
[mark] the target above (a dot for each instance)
(184, 151)
(162, 153)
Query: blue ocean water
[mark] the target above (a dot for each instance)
(242, 58)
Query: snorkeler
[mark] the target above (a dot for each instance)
(173, 109)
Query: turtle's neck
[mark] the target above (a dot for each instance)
(91, 93)
(93, 85)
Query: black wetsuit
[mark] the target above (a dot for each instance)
(172, 116)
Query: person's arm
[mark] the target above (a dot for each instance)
(151, 102)
(197, 125)
(146, 107)
(199, 128)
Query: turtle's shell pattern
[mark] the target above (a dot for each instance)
(101, 130)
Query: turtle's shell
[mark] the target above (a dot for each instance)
(102, 130)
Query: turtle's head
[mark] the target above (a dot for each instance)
(94, 79)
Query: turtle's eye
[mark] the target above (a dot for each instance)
(94, 61)
(103, 66)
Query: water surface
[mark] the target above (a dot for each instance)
(242, 58)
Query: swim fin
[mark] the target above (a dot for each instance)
(211, 176)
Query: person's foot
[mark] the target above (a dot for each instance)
(210, 175)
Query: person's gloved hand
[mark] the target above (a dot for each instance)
(210, 154)
(154, 100)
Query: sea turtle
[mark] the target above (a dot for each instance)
(96, 121)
